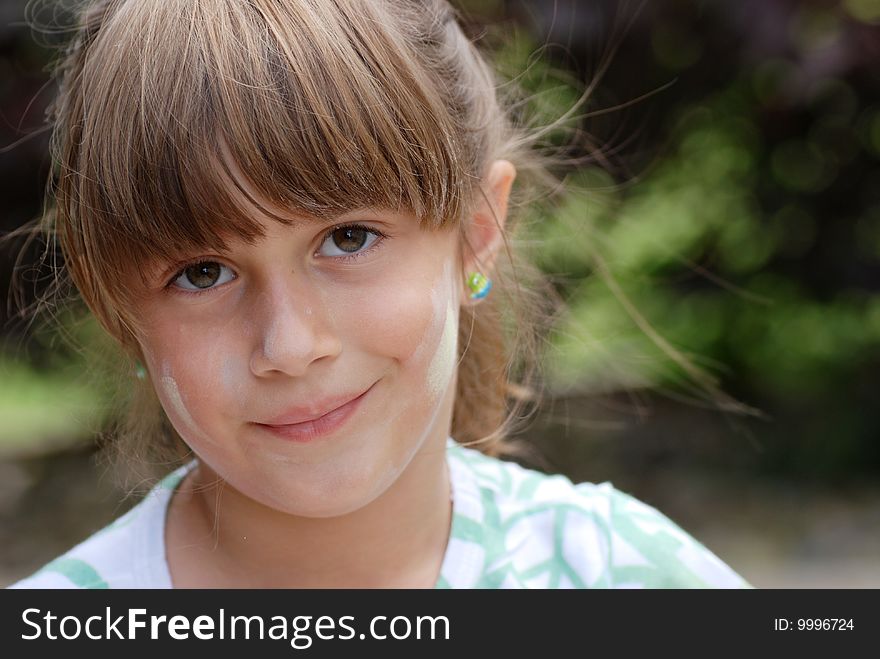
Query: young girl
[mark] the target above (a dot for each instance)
(292, 217)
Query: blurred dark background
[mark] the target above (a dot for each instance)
(735, 214)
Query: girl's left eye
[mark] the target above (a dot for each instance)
(349, 242)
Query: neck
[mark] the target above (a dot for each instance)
(398, 540)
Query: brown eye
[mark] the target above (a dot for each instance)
(349, 239)
(202, 276)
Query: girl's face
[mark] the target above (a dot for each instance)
(308, 318)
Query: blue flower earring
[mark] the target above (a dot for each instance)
(479, 285)
(139, 371)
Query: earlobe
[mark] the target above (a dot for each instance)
(485, 231)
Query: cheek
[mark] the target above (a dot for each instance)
(191, 378)
(443, 363)
(176, 409)
(428, 342)
(394, 321)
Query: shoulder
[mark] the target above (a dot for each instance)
(582, 535)
(128, 553)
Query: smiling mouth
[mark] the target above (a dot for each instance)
(312, 429)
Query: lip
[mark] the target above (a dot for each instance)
(308, 429)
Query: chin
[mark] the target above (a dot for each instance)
(327, 497)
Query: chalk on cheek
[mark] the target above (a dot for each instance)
(172, 392)
(443, 362)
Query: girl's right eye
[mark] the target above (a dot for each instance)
(202, 276)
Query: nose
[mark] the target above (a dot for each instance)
(293, 331)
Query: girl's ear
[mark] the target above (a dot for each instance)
(484, 234)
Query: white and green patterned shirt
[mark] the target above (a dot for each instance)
(511, 528)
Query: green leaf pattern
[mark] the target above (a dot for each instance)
(511, 528)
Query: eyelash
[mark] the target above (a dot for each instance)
(344, 259)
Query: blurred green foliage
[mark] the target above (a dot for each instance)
(65, 393)
(700, 200)
(708, 245)
(44, 411)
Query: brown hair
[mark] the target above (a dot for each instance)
(327, 106)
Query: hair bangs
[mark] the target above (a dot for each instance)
(325, 111)
(318, 124)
